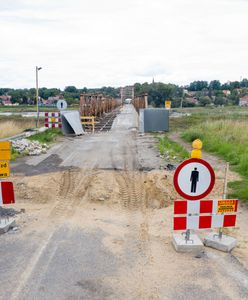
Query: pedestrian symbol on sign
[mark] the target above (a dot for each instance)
(194, 179)
(62, 105)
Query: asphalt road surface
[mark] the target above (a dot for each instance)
(69, 245)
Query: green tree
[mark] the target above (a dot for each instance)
(219, 100)
(205, 100)
(198, 85)
(215, 85)
(70, 89)
(244, 83)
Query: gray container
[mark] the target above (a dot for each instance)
(153, 119)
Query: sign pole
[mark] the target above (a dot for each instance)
(187, 235)
(224, 195)
(1, 207)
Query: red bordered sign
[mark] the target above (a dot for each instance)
(194, 179)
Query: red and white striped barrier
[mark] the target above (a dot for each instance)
(53, 120)
(53, 125)
(204, 206)
(205, 214)
(6, 193)
(52, 114)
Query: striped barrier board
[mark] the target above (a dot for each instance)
(205, 214)
(52, 114)
(6, 193)
(53, 125)
(205, 206)
(53, 120)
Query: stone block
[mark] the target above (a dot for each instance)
(181, 245)
(225, 244)
(5, 225)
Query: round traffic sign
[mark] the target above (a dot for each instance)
(194, 179)
(62, 105)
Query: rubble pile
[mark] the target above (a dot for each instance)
(29, 147)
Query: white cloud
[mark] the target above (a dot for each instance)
(95, 43)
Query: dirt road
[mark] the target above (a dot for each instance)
(98, 225)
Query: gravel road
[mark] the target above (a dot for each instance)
(97, 225)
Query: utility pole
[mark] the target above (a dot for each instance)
(182, 99)
(37, 95)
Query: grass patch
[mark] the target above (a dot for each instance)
(172, 150)
(26, 108)
(15, 154)
(46, 137)
(13, 127)
(200, 115)
(229, 140)
(239, 189)
(32, 108)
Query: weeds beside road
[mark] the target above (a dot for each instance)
(172, 150)
(224, 133)
(229, 140)
(32, 108)
(13, 126)
(48, 136)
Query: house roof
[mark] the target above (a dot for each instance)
(245, 98)
(5, 97)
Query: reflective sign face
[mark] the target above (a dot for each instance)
(4, 169)
(5, 150)
(62, 105)
(194, 179)
(227, 206)
(167, 104)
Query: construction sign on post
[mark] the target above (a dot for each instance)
(194, 179)
(227, 206)
(6, 193)
(5, 150)
(62, 105)
(6, 188)
(4, 169)
(167, 104)
(204, 214)
(53, 120)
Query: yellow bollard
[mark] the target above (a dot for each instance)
(197, 146)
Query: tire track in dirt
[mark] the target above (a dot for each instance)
(133, 202)
(69, 195)
(72, 190)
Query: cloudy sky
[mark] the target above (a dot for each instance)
(98, 43)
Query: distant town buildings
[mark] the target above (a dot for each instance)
(53, 100)
(192, 100)
(226, 92)
(5, 100)
(243, 101)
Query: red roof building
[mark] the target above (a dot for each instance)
(5, 100)
(243, 101)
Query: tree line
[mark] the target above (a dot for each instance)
(196, 93)
(71, 94)
(202, 92)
